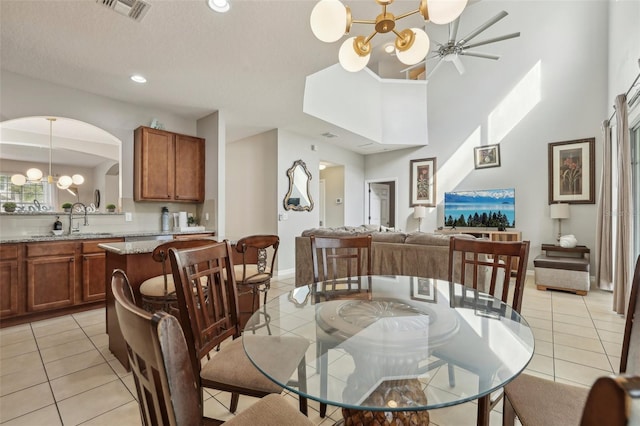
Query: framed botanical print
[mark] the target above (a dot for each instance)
(423, 289)
(572, 172)
(486, 156)
(422, 178)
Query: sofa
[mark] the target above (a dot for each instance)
(393, 252)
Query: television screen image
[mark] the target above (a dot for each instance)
(487, 208)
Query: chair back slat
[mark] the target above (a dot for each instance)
(207, 301)
(630, 358)
(475, 256)
(613, 401)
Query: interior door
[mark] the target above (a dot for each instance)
(379, 204)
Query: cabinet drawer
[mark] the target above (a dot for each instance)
(92, 246)
(8, 251)
(51, 249)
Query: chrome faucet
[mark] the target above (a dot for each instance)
(86, 219)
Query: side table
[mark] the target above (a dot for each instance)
(563, 268)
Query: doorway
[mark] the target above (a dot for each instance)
(381, 203)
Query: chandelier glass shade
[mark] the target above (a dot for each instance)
(36, 175)
(330, 20)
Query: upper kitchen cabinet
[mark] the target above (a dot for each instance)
(168, 166)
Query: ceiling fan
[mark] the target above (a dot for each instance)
(453, 49)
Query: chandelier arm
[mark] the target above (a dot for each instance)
(399, 17)
(364, 21)
(368, 39)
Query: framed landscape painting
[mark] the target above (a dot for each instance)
(422, 178)
(572, 172)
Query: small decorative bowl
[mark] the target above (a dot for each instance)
(57, 231)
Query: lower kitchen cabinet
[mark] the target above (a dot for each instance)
(39, 280)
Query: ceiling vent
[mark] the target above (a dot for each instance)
(329, 135)
(134, 9)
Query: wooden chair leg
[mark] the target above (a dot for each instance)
(323, 410)
(234, 402)
(508, 413)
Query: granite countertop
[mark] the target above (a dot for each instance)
(94, 236)
(135, 247)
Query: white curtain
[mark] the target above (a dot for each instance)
(604, 270)
(624, 226)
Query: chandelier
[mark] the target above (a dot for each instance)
(330, 20)
(36, 175)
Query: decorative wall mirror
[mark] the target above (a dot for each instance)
(298, 198)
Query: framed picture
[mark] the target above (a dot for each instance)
(486, 156)
(423, 289)
(572, 172)
(422, 182)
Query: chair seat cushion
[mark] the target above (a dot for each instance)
(154, 287)
(253, 276)
(272, 410)
(542, 402)
(232, 367)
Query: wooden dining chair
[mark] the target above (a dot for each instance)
(337, 261)
(472, 261)
(159, 292)
(538, 401)
(209, 316)
(486, 266)
(254, 273)
(166, 384)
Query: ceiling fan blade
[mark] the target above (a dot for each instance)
(483, 27)
(480, 55)
(453, 30)
(434, 69)
(458, 63)
(492, 40)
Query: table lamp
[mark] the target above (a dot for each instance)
(559, 211)
(419, 212)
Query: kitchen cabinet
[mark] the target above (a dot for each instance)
(168, 166)
(9, 280)
(93, 270)
(40, 280)
(51, 275)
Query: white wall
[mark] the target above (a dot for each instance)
(292, 147)
(334, 189)
(251, 186)
(564, 98)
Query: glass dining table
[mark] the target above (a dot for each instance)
(394, 347)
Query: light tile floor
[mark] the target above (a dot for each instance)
(60, 371)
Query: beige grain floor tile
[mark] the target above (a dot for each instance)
(72, 384)
(20, 363)
(54, 353)
(93, 403)
(579, 373)
(544, 348)
(22, 379)
(44, 416)
(49, 340)
(125, 415)
(73, 363)
(572, 319)
(542, 364)
(611, 337)
(579, 342)
(19, 336)
(25, 401)
(19, 348)
(576, 330)
(580, 356)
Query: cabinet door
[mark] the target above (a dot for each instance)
(189, 166)
(154, 164)
(51, 282)
(8, 288)
(93, 271)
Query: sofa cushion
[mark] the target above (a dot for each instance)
(389, 237)
(433, 239)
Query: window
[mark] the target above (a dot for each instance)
(32, 196)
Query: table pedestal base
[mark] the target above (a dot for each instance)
(403, 393)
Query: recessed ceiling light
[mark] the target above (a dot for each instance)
(220, 6)
(138, 78)
(389, 48)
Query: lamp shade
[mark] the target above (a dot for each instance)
(419, 212)
(559, 211)
(328, 20)
(444, 11)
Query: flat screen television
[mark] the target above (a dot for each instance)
(486, 208)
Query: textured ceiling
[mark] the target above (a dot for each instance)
(250, 63)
